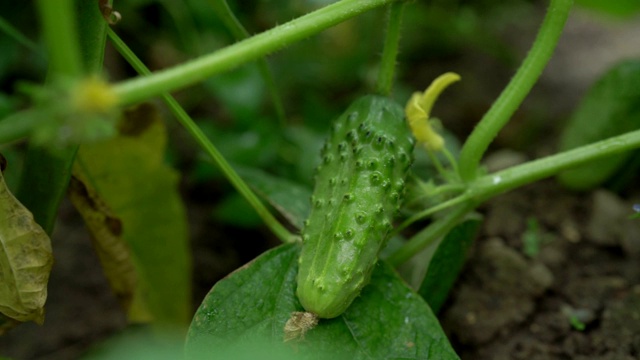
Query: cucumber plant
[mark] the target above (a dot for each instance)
(330, 276)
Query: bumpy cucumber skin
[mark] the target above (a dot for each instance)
(359, 188)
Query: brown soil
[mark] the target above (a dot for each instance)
(577, 298)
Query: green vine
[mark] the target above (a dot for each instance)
(390, 52)
(141, 88)
(238, 31)
(513, 95)
(185, 120)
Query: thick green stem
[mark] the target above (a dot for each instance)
(238, 31)
(144, 87)
(490, 185)
(46, 174)
(390, 53)
(280, 231)
(513, 95)
(61, 38)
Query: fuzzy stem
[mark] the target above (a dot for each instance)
(493, 184)
(185, 120)
(513, 95)
(390, 53)
(61, 38)
(238, 31)
(143, 87)
(45, 175)
(488, 186)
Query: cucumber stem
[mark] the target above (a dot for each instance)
(390, 52)
(517, 89)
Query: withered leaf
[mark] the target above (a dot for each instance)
(25, 261)
(106, 231)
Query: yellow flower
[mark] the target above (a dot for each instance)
(419, 107)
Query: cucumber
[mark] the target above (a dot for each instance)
(359, 186)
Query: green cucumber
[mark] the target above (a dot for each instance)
(359, 186)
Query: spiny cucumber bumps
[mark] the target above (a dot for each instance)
(358, 188)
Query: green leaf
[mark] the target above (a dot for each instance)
(241, 91)
(610, 108)
(255, 147)
(289, 198)
(302, 151)
(621, 8)
(25, 261)
(234, 210)
(128, 174)
(249, 309)
(447, 262)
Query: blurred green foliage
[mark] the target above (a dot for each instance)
(609, 108)
(619, 8)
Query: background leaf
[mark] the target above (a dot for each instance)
(253, 304)
(289, 198)
(106, 233)
(447, 262)
(611, 107)
(621, 8)
(129, 175)
(25, 261)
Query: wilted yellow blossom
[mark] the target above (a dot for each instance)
(419, 107)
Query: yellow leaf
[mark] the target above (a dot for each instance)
(130, 177)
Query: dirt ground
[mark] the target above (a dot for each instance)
(577, 296)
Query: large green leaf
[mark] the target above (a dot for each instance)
(244, 315)
(447, 262)
(129, 176)
(25, 262)
(610, 108)
(289, 198)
